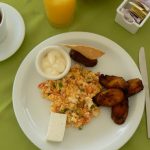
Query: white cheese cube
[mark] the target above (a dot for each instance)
(56, 128)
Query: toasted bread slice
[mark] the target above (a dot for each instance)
(87, 51)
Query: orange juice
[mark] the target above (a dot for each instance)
(60, 12)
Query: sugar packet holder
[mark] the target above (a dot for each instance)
(132, 27)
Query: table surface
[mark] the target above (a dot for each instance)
(95, 16)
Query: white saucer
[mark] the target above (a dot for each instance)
(15, 29)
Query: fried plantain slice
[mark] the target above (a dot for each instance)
(112, 81)
(134, 86)
(119, 112)
(109, 97)
(76, 56)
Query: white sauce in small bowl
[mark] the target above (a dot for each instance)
(53, 62)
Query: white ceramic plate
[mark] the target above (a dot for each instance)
(15, 32)
(102, 133)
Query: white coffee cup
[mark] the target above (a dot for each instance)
(3, 25)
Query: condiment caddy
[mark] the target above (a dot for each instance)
(132, 14)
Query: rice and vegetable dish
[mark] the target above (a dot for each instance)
(73, 95)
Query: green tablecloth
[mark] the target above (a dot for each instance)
(95, 16)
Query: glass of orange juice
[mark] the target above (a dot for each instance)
(60, 12)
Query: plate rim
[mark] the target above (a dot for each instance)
(115, 146)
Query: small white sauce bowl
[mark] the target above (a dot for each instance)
(43, 52)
